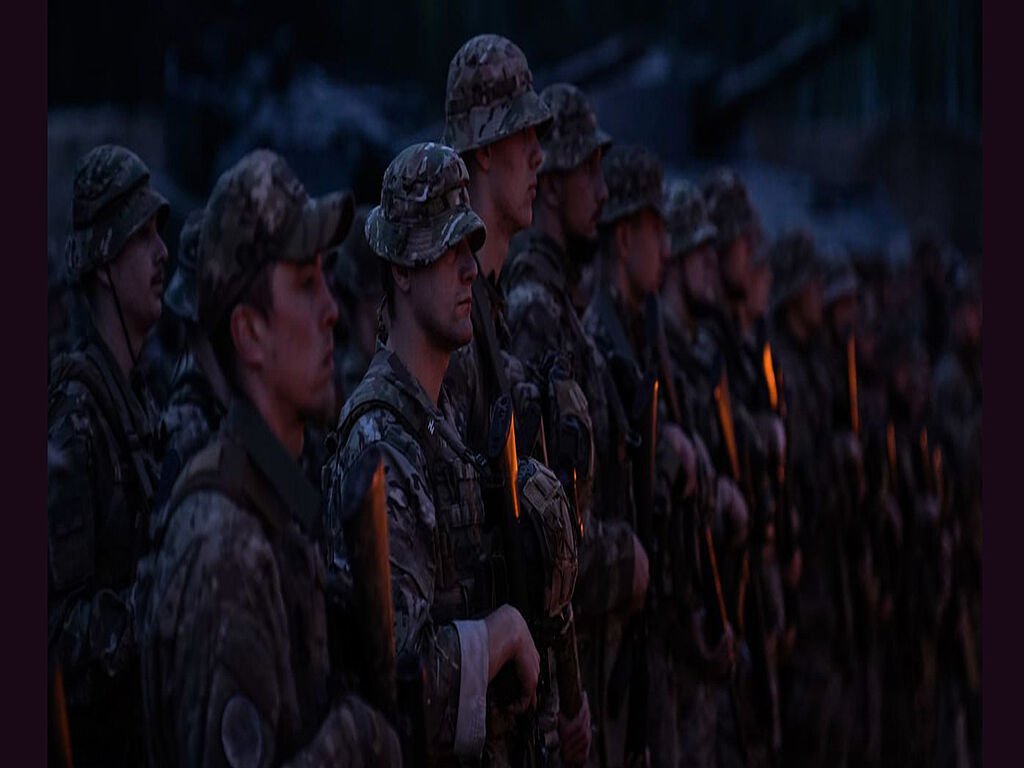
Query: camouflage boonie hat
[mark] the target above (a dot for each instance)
(353, 266)
(424, 207)
(490, 94)
(112, 201)
(731, 211)
(633, 176)
(259, 213)
(840, 281)
(574, 135)
(686, 218)
(180, 296)
(795, 262)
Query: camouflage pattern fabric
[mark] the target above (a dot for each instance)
(234, 634)
(180, 296)
(686, 217)
(353, 268)
(490, 94)
(112, 201)
(99, 490)
(435, 535)
(574, 135)
(730, 209)
(258, 213)
(424, 207)
(634, 179)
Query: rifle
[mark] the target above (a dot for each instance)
(398, 693)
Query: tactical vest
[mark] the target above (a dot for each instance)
(127, 432)
(223, 466)
(471, 578)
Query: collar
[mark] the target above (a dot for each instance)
(274, 461)
(552, 256)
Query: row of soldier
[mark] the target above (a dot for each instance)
(654, 490)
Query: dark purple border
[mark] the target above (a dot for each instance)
(1003, 366)
(23, 570)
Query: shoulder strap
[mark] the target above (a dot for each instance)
(488, 339)
(80, 366)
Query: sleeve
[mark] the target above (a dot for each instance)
(605, 581)
(90, 629)
(229, 675)
(532, 322)
(455, 654)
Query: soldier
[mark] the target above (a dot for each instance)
(101, 420)
(817, 730)
(234, 633)
(545, 328)
(440, 549)
(492, 119)
(199, 392)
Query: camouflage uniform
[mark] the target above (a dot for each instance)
(234, 632)
(199, 393)
(99, 494)
(545, 326)
(816, 730)
(634, 179)
(447, 573)
(489, 97)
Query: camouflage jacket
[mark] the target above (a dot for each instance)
(194, 411)
(483, 370)
(101, 477)
(542, 319)
(234, 631)
(440, 551)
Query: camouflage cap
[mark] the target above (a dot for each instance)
(353, 266)
(490, 94)
(112, 201)
(633, 176)
(259, 213)
(424, 207)
(686, 218)
(730, 209)
(795, 262)
(840, 281)
(574, 135)
(180, 296)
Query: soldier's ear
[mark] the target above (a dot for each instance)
(401, 277)
(248, 331)
(482, 158)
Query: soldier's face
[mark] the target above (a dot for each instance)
(298, 342)
(810, 304)
(138, 277)
(843, 316)
(646, 252)
(513, 174)
(735, 265)
(441, 297)
(760, 289)
(967, 324)
(583, 194)
(700, 274)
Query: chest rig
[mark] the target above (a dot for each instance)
(470, 577)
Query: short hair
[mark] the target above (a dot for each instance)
(260, 296)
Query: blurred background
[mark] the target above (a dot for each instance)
(858, 120)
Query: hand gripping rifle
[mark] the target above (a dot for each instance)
(399, 694)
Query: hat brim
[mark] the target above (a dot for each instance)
(466, 132)
(845, 287)
(417, 246)
(561, 157)
(704, 234)
(323, 224)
